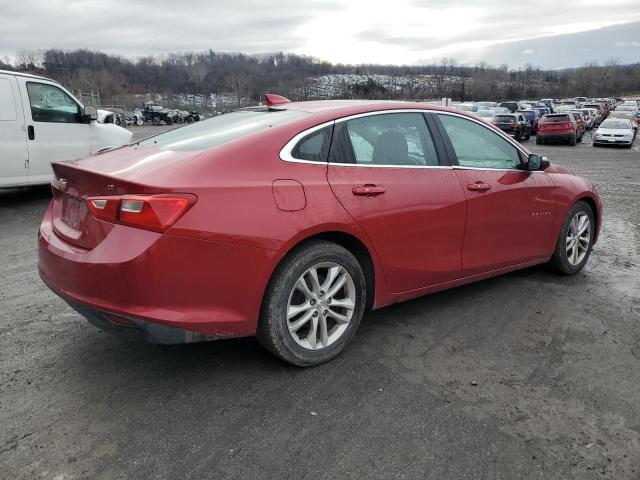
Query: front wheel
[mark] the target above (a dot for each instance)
(313, 305)
(572, 140)
(576, 240)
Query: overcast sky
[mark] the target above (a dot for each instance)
(350, 31)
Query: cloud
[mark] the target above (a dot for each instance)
(627, 44)
(353, 31)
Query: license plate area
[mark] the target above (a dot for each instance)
(73, 211)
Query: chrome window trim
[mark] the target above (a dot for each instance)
(285, 153)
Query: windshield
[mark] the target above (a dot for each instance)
(222, 129)
(621, 114)
(615, 124)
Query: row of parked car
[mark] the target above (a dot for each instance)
(615, 120)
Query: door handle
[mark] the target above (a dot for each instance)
(478, 187)
(31, 132)
(368, 190)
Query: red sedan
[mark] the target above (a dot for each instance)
(290, 221)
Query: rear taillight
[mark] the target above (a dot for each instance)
(151, 212)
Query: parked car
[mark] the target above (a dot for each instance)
(42, 122)
(513, 106)
(514, 124)
(581, 121)
(627, 115)
(486, 114)
(549, 103)
(486, 105)
(614, 131)
(531, 116)
(290, 222)
(467, 107)
(558, 126)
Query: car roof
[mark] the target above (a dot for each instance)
(342, 108)
(29, 75)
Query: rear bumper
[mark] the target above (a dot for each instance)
(200, 286)
(555, 135)
(136, 329)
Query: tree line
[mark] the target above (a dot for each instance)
(250, 76)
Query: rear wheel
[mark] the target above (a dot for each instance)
(313, 305)
(576, 240)
(572, 140)
(156, 121)
(538, 140)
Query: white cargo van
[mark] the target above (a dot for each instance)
(40, 123)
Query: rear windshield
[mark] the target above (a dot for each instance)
(555, 118)
(505, 118)
(529, 114)
(222, 129)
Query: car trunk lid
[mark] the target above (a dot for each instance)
(72, 185)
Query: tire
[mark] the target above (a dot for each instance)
(274, 328)
(168, 121)
(560, 261)
(139, 122)
(538, 140)
(156, 121)
(572, 140)
(528, 135)
(190, 120)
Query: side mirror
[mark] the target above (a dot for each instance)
(537, 162)
(90, 113)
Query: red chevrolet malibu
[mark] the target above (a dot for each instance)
(290, 221)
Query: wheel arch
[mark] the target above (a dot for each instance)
(595, 208)
(352, 243)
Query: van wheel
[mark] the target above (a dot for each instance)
(576, 240)
(313, 305)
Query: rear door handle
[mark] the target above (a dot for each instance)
(31, 132)
(368, 191)
(478, 187)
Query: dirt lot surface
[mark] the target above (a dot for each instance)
(529, 375)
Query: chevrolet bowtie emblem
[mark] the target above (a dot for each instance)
(62, 184)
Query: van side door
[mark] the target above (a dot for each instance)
(56, 129)
(13, 135)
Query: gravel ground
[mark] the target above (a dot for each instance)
(529, 375)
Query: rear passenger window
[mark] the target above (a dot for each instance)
(314, 147)
(391, 139)
(7, 102)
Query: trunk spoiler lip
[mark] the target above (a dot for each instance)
(109, 184)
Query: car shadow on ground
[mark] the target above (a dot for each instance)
(18, 197)
(246, 356)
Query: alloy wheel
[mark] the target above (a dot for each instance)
(321, 305)
(578, 238)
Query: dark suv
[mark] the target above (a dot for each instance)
(514, 124)
(513, 106)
